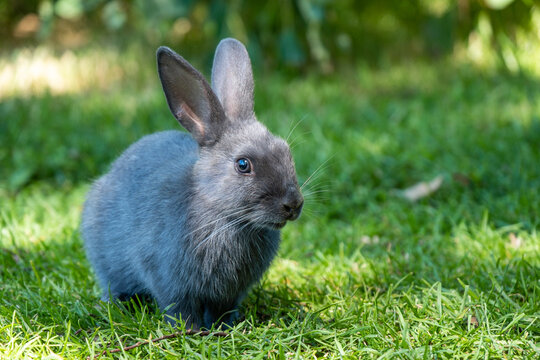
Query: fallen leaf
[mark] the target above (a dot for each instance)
(422, 189)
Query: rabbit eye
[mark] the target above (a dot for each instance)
(243, 166)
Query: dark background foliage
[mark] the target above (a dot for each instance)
(288, 34)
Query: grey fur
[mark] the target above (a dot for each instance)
(174, 218)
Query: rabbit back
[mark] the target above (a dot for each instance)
(131, 212)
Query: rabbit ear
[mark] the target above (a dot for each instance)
(190, 98)
(232, 79)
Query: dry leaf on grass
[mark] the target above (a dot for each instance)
(422, 189)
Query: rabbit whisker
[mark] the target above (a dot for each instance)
(216, 232)
(208, 224)
(315, 198)
(295, 142)
(316, 171)
(314, 192)
(295, 126)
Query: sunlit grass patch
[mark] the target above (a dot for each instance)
(42, 70)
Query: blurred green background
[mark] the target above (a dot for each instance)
(290, 34)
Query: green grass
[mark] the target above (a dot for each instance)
(363, 274)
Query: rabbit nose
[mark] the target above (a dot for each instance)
(292, 205)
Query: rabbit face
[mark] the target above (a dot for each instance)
(253, 173)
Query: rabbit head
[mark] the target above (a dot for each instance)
(243, 171)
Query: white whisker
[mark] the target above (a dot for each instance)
(237, 212)
(294, 127)
(215, 232)
(315, 172)
(294, 143)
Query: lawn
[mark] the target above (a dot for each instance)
(364, 273)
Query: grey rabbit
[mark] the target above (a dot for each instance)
(194, 220)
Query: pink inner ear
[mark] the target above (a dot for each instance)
(185, 111)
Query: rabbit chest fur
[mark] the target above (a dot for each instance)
(193, 220)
